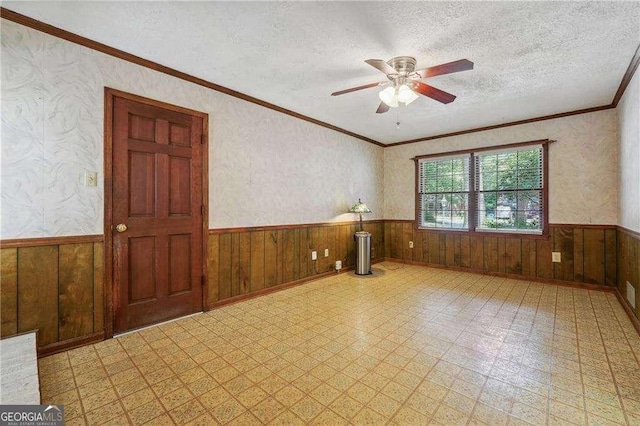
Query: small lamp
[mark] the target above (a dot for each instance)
(360, 208)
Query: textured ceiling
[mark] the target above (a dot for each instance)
(531, 58)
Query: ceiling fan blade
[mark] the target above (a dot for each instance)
(433, 93)
(353, 89)
(382, 108)
(448, 68)
(382, 66)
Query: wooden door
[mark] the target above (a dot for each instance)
(157, 173)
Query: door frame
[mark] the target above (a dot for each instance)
(110, 304)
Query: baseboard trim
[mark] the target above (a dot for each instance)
(628, 310)
(563, 283)
(65, 345)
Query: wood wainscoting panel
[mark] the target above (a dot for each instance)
(75, 291)
(594, 269)
(587, 251)
(38, 292)
(213, 267)
(563, 242)
(224, 282)
(56, 290)
(628, 268)
(252, 260)
(610, 257)
(98, 287)
(9, 293)
(257, 261)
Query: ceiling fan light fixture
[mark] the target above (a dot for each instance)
(406, 95)
(389, 96)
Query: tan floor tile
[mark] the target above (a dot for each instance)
(227, 411)
(289, 395)
(414, 356)
(137, 399)
(166, 386)
(305, 383)
(267, 410)
(104, 413)
(225, 374)
(528, 413)
(99, 399)
(203, 420)
(449, 416)
(567, 413)
(245, 419)
(361, 392)
(175, 398)
(489, 415)
(459, 402)
(76, 421)
(433, 390)
(600, 409)
(73, 409)
(307, 408)
(384, 405)
(158, 375)
(397, 391)
(325, 394)
(367, 416)
(422, 404)
(594, 420)
(214, 397)
(187, 412)
(346, 407)
(329, 418)
(161, 420)
(407, 416)
(251, 396)
(340, 381)
(288, 419)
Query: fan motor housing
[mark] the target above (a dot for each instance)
(403, 64)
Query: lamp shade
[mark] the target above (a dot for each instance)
(359, 207)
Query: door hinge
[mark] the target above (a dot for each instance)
(203, 139)
(202, 210)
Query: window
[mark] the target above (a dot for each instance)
(487, 190)
(444, 192)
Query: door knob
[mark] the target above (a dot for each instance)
(121, 227)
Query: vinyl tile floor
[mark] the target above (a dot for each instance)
(407, 345)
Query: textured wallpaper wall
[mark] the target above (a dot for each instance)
(629, 156)
(582, 166)
(266, 168)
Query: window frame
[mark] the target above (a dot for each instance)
(473, 192)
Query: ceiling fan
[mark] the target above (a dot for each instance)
(403, 81)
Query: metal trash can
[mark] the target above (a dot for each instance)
(363, 252)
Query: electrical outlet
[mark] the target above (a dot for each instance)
(410, 244)
(555, 257)
(326, 252)
(338, 265)
(314, 255)
(90, 178)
